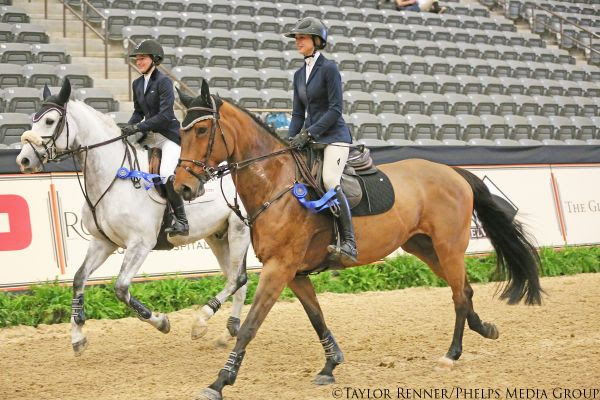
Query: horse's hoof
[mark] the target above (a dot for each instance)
(199, 330)
(445, 363)
(165, 325)
(492, 331)
(324, 380)
(209, 394)
(79, 347)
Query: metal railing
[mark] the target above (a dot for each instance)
(564, 21)
(85, 8)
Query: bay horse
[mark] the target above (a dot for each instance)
(430, 218)
(119, 214)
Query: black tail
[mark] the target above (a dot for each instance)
(517, 258)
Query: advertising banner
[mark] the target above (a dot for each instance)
(42, 236)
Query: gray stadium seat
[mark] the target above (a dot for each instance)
(586, 128)
(530, 142)
(505, 105)
(377, 82)
(480, 142)
(542, 128)
(353, 80)
(50, 54)
(385, 46)
(548, 105)
(506, 142)
(219, 38)
(568, 107)
(275, 79)
(218, 77)
(77, 74)
(469, 50)
(172, 5)
(564, 128)
(166, 35)
(29, 33)
(15, 53)
(500, 68)
(470, 84)
(190, 76)
(271, 41)
(513, 86)
(435, 103)
(590, 89)
(425, 83)
(553, 87)
(370, 62)
(145, 18)
(587, 106)
(137, 33)
(460, 66)
(220, 6)
(411, 103)
(38, 75)
(11, 75)
(447, 127)
(482, 104)
(243, 58)
(245, 23)
(194, 20)
(12, 125)
(533, 87)
(401, 82)
(190, 57)
(193, 37)
(346, 61)
(277, 98)
(265, 8)
(459, 103)
(358, 102)
(471, 127)
(393, 63)
(520, 69)
(448, 84)
(100, 99)
(526, 105)
(246, 40)
(150, 5)
(13, 15)
(518, 127)
(368, 126)
(415, 65)
(6, 34)
(22, 100)
(243, 7)
(394, 126)
(247, 98)
(495, 127)
(421, 126)
(265, 23)
(248, 78)
(407, 47)
(218, 57)
(363, 45)
(271, 59)
(199, 6)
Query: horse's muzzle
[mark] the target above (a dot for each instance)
(188, 193)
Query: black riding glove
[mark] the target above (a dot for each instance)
(301, 139)
(130, 129)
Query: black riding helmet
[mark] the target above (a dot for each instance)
(150, 47)
(310, 26)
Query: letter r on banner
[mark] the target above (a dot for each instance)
(15, 224)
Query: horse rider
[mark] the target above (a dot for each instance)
(153, 123)
(317, 115)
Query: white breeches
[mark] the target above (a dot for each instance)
(334, 161)
(170, 152)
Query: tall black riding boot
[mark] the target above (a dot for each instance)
(347, 250)
(179, 226)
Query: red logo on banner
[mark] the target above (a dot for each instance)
(17, 235)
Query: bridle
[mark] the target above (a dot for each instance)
(52, 154)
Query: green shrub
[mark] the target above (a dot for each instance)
(51, 302)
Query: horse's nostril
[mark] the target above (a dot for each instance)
(25, 162)
(186, 192)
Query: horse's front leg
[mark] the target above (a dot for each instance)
(273, 279)
(234, 269)
(305, 291)
(98, 251)
(134, 257)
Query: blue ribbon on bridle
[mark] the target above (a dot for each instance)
(300, 192)
(124, 173)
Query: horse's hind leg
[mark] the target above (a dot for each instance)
(485, 329)
(134, 257)
(305, 291)
(234, 268)
(98, 251)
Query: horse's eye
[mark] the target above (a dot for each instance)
(49, 121)
(201, 130)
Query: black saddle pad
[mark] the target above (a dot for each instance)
(378, 195)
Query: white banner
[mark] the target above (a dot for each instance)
(42, 237)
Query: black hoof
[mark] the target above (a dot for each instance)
(324, 380)
(80, 347)
(209, 394)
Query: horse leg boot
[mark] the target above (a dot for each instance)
(179, 226)
(347, 251)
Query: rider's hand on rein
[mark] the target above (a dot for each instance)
(301, 139)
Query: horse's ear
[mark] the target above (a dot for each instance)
(205, 93)
(46, 92)
(65, 92)
(185, 99)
